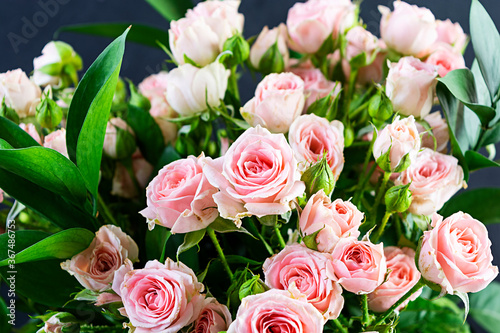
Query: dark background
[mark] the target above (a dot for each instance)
(141, 61)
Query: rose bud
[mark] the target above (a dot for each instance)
(456, 254)
(380, 108)
(57, 66)
(319, 177)
(258, 176)
(403, 275)
(253, 286)
(298, 268)
(409, 30)
(279, 100)
(191, 89)
(311, 23)
(61, 322)
(123, 186)
(263, 55)
(31, 130)
(48, 113)
(397, 145)
(452, 34)
(239, 49)
(213, 318)
(398, 198)
(8, 112)
(330, 220)
(119, 141)
(57, 141)
(20, 93)
(95, 267)
(138, 99)
(277, 309)
(445, 59)
(439, 136)
(434, 178)
(316, 86)
(410, 86)
(359, 266)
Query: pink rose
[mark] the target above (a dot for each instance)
(213, 318)
(410, 86)
(266, 39)
(123, 186)
(451, 34)
(57, 141)
(279, 100)
(180, 197)
(439, 129)
(95, 267)
(359, 266)
(403, 275)
(301, 269)
(445, 59)
(60, 322)
(161, 298)
(316, 86)
(222, 15)
(311, 136)
(257, 176)
(456, 254)
(335, 220)
(401, 138)
(20, 93)
(312, 22)
(111, 138)
(31, 130)
(276, 310)
(409, 29)
(434, 179)
(1, 195)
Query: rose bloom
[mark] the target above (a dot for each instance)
(190, 89)
(111, 137)
(456, 254)
(409, 29)
(446, 59)
(20, 93)
(451, 34)
(31, 130)
(213, 318)
(123, 186)
(57, 141)
(316, 86)
(276, 311)
(311, 136)
(160, 298)
(298, 268)
(180, 197)
(311, 23)
(439, 129)
(279, 100)
(359, 266)
(1, 195)
(266, 39)
(257, 176)
(434, 179)
(335, 220)
(95, 267)
(403, 275)
(410, 86)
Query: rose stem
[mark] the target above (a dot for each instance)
(253, 228)
(105, 210)
(380, 230)
(380, 194)
(364, 307)
(213, 237)
(410, 292)
(366, 176)
(280, 237)
(339, 325)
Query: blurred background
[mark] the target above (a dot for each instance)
(27, 25)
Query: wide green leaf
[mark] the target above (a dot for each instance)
(492, 135)
(171, 9)
(191, 239)
(485, 307)
(140, 33)
(14, 135)
(4, 318)
(62, 245)
(477, 161)
(89, 112)
(481, 204)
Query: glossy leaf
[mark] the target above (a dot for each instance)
(477, 161)
(481, 204)
(171, 9)
(191, 239)
(14, 135)
(485, 307)
(223, 226)
(4, 318)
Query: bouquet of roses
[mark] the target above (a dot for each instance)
(326, 203)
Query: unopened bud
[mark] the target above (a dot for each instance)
(137, 99)
(319, 177)
(48, 113)
(253, 286)
(398, 198)
(8, 112)
(239, 49)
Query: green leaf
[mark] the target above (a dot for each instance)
(486, 43)
(62, 245)
(222, 225)
(168, 156)
(272, 61)
(485, 307)
(4, 316)
(203, 274)
(492, 135)
(481, 204)
(235, 259)
(191, 239)
(89, 112)
(141, 34)
(268, 220)
(171, 9)
(477, 161)
(14, 135)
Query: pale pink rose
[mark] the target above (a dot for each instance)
(445, 59)
(223, 15)
(311, 136)
(123, 186)
(409, 29)
(57, 141)
(403, 275)
(190, 88)
(359, 266)
(401, 138)
(257, 176)
(316, 86)
(279, 100)
(1, 195)
(410, 86)
(304, 270)
(456, 254)
(168, 130)
(439, 129)
(311, 23)
(214, 318)
(451, 34)
(60, 322)
(434, 179)
(95, 267)
(161, 297)
(31, 130)
(20, 93)
(335, 220)
(276, 310)
(107, 298)
(50, 55)
(374, 72)
(111, 137)
(266, 39)
(180, 197)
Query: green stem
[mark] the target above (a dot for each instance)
(105, 211)
(213, 237)
(127, 163)
(280, 237)
(164, 251)
(233, 84)
(364, 307)
(253, 228)
(366, 174)
(380, 194)
(339, 326)
(380, 230)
